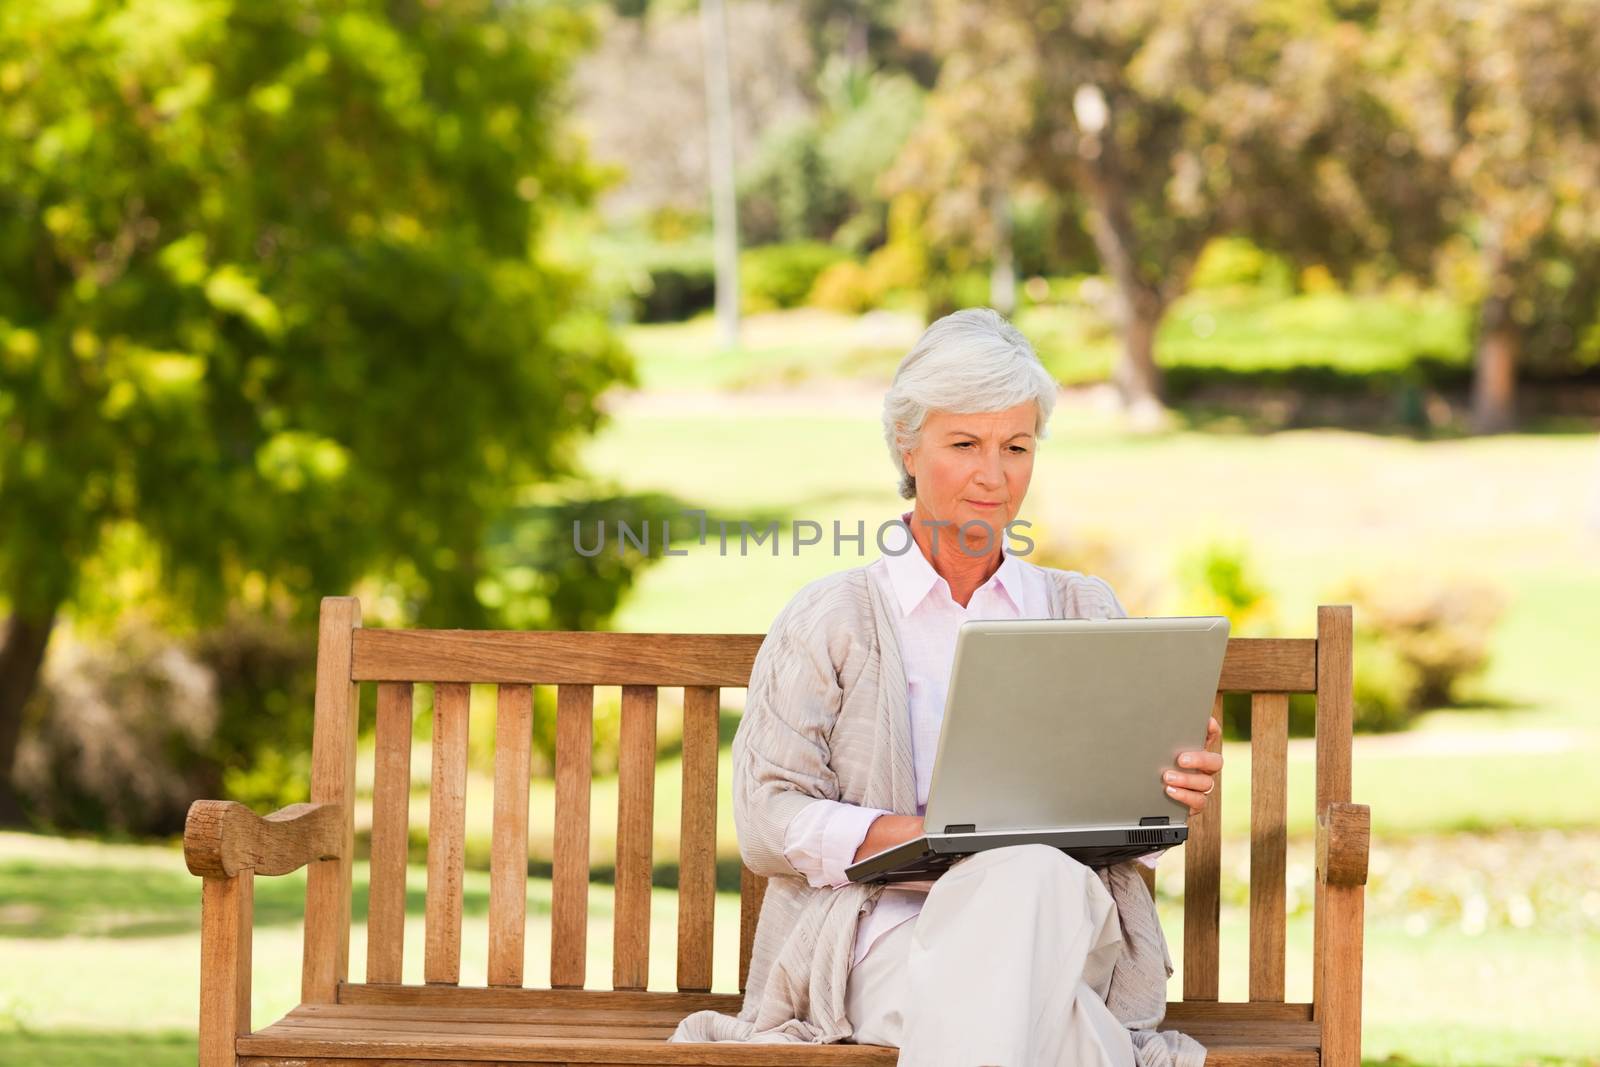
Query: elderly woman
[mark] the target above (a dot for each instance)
(1019, 956)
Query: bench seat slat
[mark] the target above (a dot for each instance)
(366, 1034)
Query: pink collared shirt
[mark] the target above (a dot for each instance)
(822, 840)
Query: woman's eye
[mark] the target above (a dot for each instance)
(1019, 450)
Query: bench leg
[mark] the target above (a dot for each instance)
(227, 911)
(1341, 979)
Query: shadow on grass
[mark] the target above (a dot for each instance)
(39, 900)
(92, 1048)
(48, 901)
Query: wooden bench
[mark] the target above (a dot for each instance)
(381, 1020)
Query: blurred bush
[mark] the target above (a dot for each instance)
(118, 733)
(127, 729)
(846, 286)
(1238, 262)
(1417, 640)
(781, 275)
(1219, 579)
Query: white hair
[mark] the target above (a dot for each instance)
(970, 361)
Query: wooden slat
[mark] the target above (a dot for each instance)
(655, 1005)
(1269, 808)
(326, 962)
(1269, 664)
(508, 852)
(1335, 728)
(636, 779)
(1251, 664)
(752, 889)
(697, 847)
(595, 1030)
(565, 1000)
(569, 889)
(391, 818)
(556, 657)
(1202, 898)
(447, 831)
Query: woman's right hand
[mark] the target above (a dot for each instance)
(888, 831)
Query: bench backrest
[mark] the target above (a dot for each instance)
(348, 656)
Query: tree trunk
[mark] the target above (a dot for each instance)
(21, 655)
(1494, 370)
(1003, 269)
(1137, 377)
(1140, 305)
(724, 201)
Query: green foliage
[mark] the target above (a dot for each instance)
(1238, 262)
(787, 193)
(1219, 579)
(815, 172)
(781, 275)
(275, 290)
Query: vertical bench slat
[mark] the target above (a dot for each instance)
(569, 889)
(508, 852)
(752, 888)
(1202, 898)
(1335, 726)
(391, 809)
(447, 831)
(326, 962)
(636, 779)
(697, 846)
(1269, 806)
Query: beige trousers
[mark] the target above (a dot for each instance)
(1007, 964)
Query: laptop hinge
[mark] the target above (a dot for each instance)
(960, 828)
(1154, 820)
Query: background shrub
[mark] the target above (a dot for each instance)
(781, 275)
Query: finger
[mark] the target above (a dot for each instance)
(1199, 783)
(1213, 732)
(1188, 797)
(1208, 762)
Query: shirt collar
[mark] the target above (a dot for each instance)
(913, 577)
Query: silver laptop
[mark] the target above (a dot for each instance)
(1057, 731)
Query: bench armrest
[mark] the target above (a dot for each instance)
(1344, 837)
(222, 838)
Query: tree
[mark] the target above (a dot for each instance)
(1501, 97)
(275, 286)
(1166, 123)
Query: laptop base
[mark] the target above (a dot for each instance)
(931, 855)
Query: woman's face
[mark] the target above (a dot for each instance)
(974, 466)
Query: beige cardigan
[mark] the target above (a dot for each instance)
(826, 716)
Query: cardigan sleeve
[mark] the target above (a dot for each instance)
(780, 751)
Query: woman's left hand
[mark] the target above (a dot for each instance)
(1197, 776)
